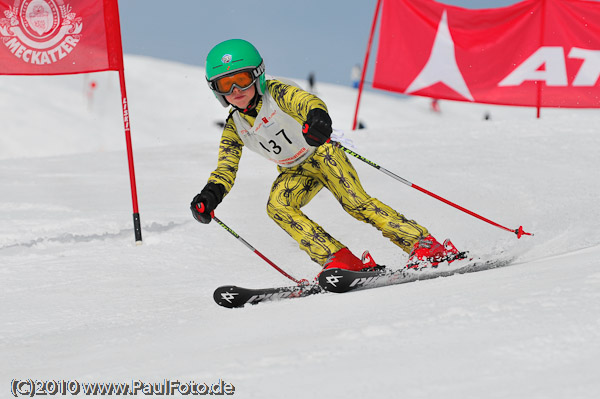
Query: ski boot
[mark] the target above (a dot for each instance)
(368, 262)
(428, 252)
(344, 259)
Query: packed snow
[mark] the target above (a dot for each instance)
(79, 301)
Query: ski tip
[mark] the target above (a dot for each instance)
(226, 296)
(332, 280)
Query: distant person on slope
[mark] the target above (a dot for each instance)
(291, 127)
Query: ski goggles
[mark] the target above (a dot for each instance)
(225, 84)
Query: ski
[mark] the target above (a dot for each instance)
(231, 296)
(339, 280)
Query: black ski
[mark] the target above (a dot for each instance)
(339, 280)
(231, 296)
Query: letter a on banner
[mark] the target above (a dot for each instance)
(58, 37)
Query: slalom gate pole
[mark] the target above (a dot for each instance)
(365, 64)
(137, 229)
(519, 232)
(115, 50)
(250, 247)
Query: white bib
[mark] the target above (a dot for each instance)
(275, 135)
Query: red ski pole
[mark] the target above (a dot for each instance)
(519, 232)
(236, 235)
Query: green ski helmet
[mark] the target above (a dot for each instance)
(233, 56)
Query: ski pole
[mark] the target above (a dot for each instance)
(250, 247)
(519, 232)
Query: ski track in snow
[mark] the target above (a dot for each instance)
(79, 301)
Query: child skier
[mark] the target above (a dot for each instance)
(292, 128)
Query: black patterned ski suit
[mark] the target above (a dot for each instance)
(328, 166)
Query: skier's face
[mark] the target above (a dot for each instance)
(241, 98)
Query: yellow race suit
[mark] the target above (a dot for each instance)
(304, 173)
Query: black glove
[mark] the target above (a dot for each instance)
(208, 199)
(317, 128)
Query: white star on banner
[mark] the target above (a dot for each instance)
(441, 66)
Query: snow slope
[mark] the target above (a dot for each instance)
(79, 301)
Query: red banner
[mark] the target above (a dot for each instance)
(53, 37)
(56, 37)
(533, 53)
